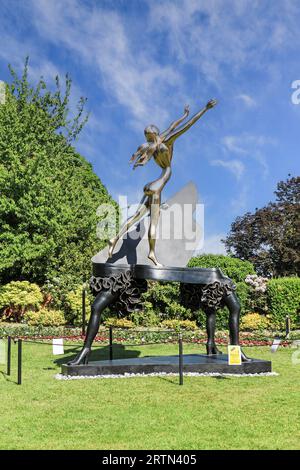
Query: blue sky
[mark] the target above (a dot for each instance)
(140, 61)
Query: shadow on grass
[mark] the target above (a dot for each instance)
(9, 378)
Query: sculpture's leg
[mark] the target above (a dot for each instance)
(232, 303)
(211, 347)
(140, 212)
(102, 300)
(154, 218)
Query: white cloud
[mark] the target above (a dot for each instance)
(236, 167)
(247, 145)
(213, 34)
(100, 40)
(234, 144)
(248, 101)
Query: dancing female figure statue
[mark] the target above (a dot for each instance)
(160, 147)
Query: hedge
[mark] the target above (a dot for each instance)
(234, 268)
(284, 299)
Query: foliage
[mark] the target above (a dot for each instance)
(49, 193)
(269, 237)
(38, 331)
(179, 324)
(119, 323)
(45, 317)
(73, 306)
(138, 335)
(284, 299)
(234, 268)
(254, 321)
(145, 317)
(243, 291)
(18, 296)
(162, 300)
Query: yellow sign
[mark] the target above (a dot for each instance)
(234, 355)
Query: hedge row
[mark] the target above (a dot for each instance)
(283, 296)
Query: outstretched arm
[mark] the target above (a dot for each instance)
(169, 139)
(143, 154)
(139, 151)
(176, 123)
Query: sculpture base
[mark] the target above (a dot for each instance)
(199, 363)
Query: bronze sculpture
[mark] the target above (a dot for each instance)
(121, 284)
(160, 147)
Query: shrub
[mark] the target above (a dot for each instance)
(254, 322)
(284, 299)
(73, 306)
(65, 293)
(18, 296)
(234, 268)
(45, 317)
(146, 317)
(119, 323)
(257, 300)
(58, 287)
(258, 283)
(179, 324)
(163, 300)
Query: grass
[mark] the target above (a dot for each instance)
(151, 412)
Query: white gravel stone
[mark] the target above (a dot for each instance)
(186, 374)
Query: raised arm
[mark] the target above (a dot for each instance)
(172, 136)
(176, 123)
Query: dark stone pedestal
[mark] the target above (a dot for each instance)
(168, 364)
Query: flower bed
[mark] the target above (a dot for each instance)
(140, 336)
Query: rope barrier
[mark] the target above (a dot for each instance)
(98, 346)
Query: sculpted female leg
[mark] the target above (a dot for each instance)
(232, 303)
(154, 218)
(140, 212)
(102, 300)
(211, 347)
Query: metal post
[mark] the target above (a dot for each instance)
(180, 347)
(19, 361)
(8, 355)
(287, 326)
(83, 311)
(110, 343)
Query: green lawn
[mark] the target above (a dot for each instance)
(149, 413)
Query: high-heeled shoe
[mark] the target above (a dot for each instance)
(81, 358)
(245, 358)
(211, 350)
